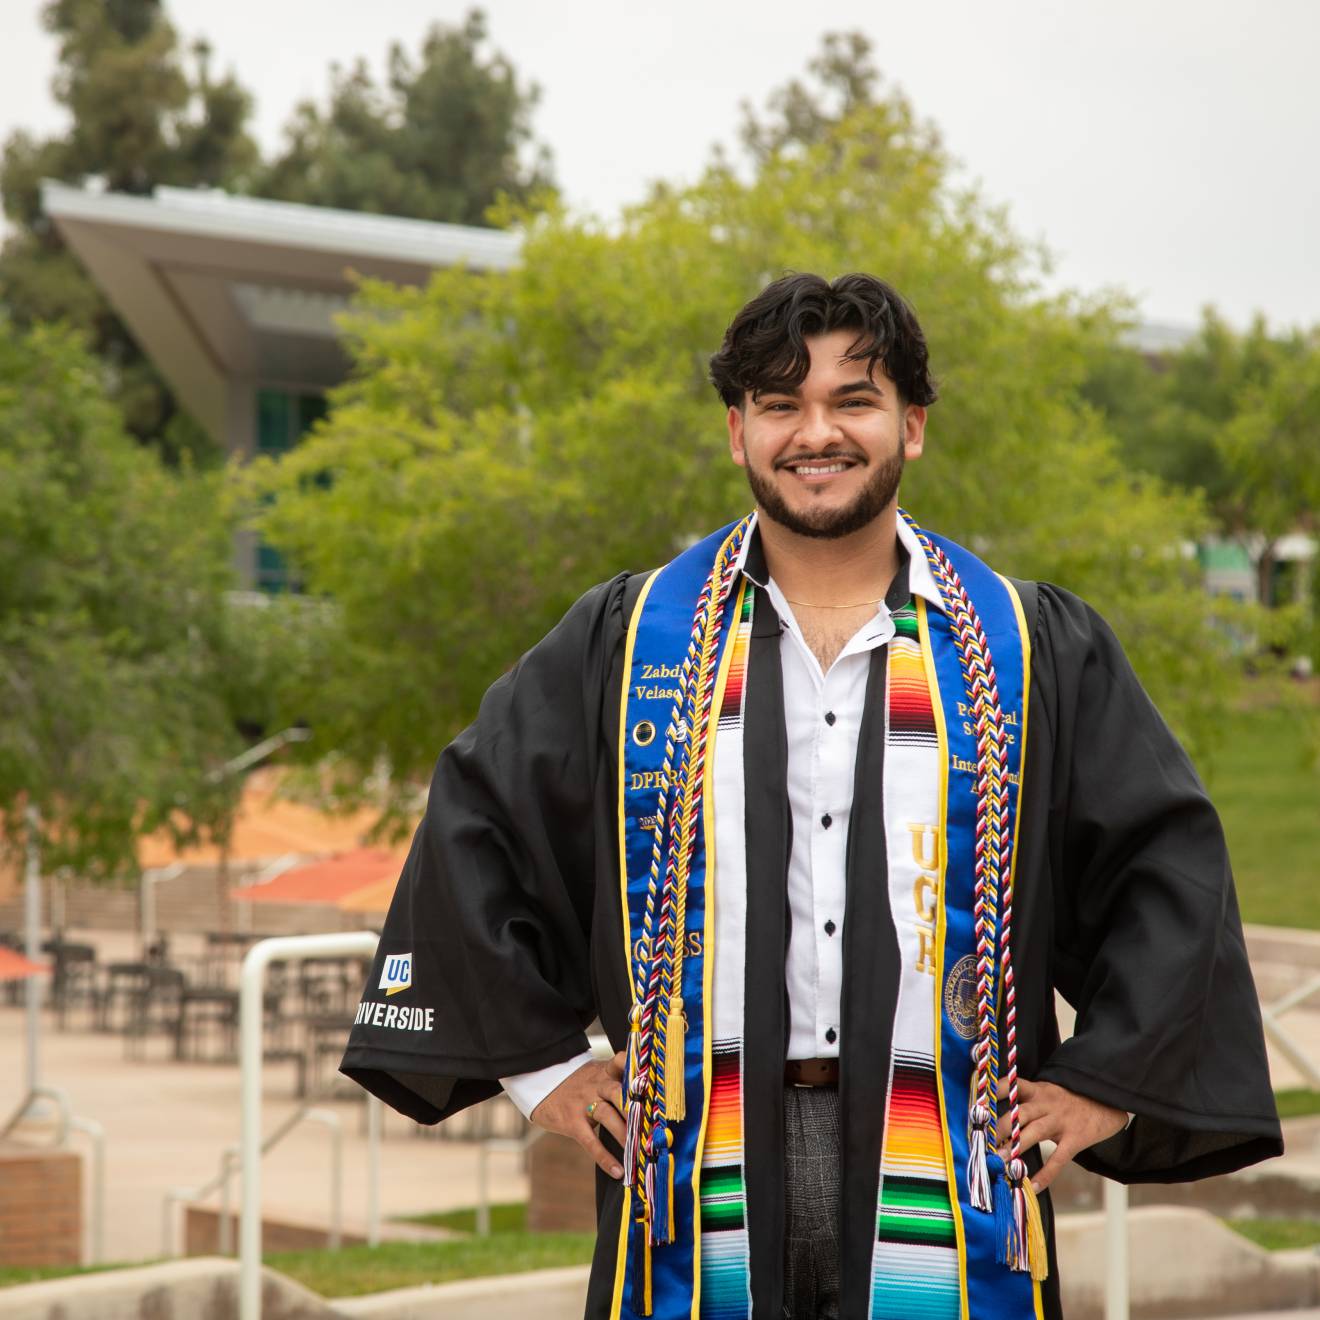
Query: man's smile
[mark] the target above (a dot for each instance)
(818, 469)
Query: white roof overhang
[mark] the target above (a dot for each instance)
(218, 288)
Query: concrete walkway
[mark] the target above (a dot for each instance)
(166, 1124)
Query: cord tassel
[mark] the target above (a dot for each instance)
(978, 1172)
(660, 1188)
(1038, 1256)
(675, 1081)
(1006, 1234)
(633, 1114)
(641, 1271)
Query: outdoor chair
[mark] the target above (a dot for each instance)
(154, 1009)
(73, 978)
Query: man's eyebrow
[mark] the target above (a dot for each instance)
(857, 387)
(839, 391)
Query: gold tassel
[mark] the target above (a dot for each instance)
(675, 1064)
(1038, 1257)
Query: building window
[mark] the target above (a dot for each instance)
(283, 418)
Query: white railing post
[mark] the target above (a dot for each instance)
(95, 1248)
(1116, 1251)
(251, 1016)
(374, 1115)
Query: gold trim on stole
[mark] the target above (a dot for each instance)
(620, 1267)
(1022, 783)
(942, 737)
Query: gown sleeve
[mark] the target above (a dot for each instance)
(483, 966)
(1148, 944)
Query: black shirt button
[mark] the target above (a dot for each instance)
(829, 717)
(827, 820)
(831, 1035)
(830, 928)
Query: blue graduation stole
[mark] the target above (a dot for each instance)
(662, 1236)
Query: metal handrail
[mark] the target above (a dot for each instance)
(252, 980)
(229, 1162)
(1288, 1047)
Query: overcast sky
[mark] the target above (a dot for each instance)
(1167, 147)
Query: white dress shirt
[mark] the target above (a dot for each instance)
(823, 717)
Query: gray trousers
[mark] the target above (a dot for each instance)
(811, 1203)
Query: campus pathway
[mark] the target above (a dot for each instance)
(166, 1124)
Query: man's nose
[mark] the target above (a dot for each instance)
(817, 427)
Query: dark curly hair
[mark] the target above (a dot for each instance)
(764, 348)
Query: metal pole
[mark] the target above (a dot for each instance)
(374, 1115)
(483, 1193)
(32, 938)
(96, 1216)
(1116, 1251)
(225, 1236)
(252, 980)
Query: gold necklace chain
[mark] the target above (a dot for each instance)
(812, 606)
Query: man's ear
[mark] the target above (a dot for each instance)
(914, 431)
(737, 450)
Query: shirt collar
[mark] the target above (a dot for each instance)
(913, 578)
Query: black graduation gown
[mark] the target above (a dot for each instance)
(509, 904)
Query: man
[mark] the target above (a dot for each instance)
(816, 819)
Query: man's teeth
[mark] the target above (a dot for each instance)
(819, 469)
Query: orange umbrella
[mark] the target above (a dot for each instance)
(326, 881)
(15, 967)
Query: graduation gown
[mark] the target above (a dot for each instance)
(509, 910)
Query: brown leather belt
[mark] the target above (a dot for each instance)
(812, 1072)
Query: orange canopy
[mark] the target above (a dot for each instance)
(15, 967)
(266, 826)
(374, 898)
(326, 881)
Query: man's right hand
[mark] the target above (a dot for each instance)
(564, 1110)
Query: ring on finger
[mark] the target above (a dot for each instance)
(591, 1109)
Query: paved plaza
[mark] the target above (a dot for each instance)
(166, 1124)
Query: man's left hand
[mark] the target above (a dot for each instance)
(1049, 1112)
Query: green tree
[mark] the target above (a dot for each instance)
(508, 439)
(142, 113)
(1270, 451)
(116, 640)
(448, 133)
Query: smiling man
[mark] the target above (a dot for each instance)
(816, 819)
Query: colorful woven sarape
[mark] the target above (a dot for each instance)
(956, 1232)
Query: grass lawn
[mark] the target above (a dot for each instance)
(1277, 1234)
(1297, 1102)
(354, 1271)
(511, 1217)
(1268, 793)
(12, 1274)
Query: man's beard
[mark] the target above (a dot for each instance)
(829, 524)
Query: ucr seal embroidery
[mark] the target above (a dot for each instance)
(643, 733)
(960, 997)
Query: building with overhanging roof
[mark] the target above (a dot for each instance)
(234, 299)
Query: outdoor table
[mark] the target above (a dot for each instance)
(73, 976)
(202, 1006)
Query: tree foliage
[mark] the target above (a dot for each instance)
(509, 439)
(1234, 415)
(116, 643)
(142, 112)
(447, 134)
